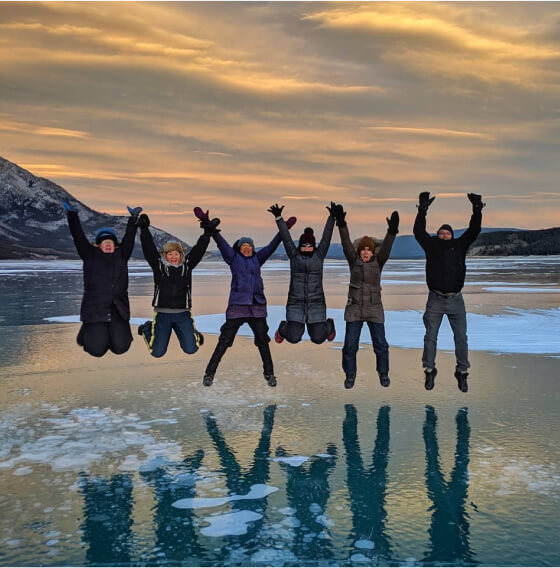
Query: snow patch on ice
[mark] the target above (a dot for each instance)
(364, 544)
(257, 491)
(230, 524)
(294, 461)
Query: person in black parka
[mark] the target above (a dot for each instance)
(172, 289)
(306, 298)
(445, 277)
(105, 311)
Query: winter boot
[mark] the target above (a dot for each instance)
(277, 337)
(462, 381)
(349, 382)
(430, 377)
(384, 379)
(199, 338)
(270, 379)
(146, 325)
(330, 326)
(208, 379)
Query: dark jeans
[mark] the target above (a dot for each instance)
(157, 334)
(228, 332)
(98, 338)
(352, 344)
(292, 331)
(454, 308)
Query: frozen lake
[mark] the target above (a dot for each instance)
(128, 460)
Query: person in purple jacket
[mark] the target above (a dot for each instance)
(247, 302)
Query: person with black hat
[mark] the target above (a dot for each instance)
(366, 257)
(306, 299)
(445, 276)
(172, 300)
(247, 302)
(105, 310)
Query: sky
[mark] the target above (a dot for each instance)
(234, 106)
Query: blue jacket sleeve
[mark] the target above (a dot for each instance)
(269, 249)
(223, 246)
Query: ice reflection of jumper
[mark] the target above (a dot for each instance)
(449, 530)
(308, 492)
(107, 519)
(239, 482)
(177, 539)
(367, 487)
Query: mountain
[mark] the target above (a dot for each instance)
(33, 221)
(518, 243)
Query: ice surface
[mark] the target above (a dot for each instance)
(274, 557)
(257, 491)
(513, 331)
(364, 544)
(235, 523)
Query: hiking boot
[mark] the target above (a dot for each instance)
(462, 381)
(277, 337)
(384, 380)
(430, 377)
(349, 382)
(146, 325)
(333, 332)
(270, 379)
(208, 379)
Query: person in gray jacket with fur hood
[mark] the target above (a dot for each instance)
(366, 257)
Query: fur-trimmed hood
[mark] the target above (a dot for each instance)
(377, 242)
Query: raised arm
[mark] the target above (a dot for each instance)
(223, 246)
(392, 230)
(347, 246)
(264, 253)
(127, 243)
(83, 246)
(289, 244)
(420, 233)
(323, 247)
(197, 252)
(149, 249)
(475, 224)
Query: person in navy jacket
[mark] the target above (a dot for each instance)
(247, 302)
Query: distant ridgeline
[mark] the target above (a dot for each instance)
(33, 221)
(517, 243)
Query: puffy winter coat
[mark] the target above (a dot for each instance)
(306, 299)
(105, 274)
(445, 260)
(173, 284)
(364, 292)
(246, 282)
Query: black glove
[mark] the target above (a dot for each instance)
(276, 210)
(210, 226)
(476, 201)
(424, 201)
(333, 209)
(340, 216)
(393, 223)
(143, 221)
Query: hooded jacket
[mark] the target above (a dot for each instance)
(364, 292)
(105, 274)
(445, 259)
(247, 286)
(306, 298)
(172, 284)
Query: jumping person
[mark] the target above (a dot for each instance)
(306, 299)
(366, 257)
(247, 302)
(172, 300)
(105, 311)
(445, 276)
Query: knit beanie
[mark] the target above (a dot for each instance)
(247, 240)
(446, 227)
(105, 233)
(366, 242)
(307, 238)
